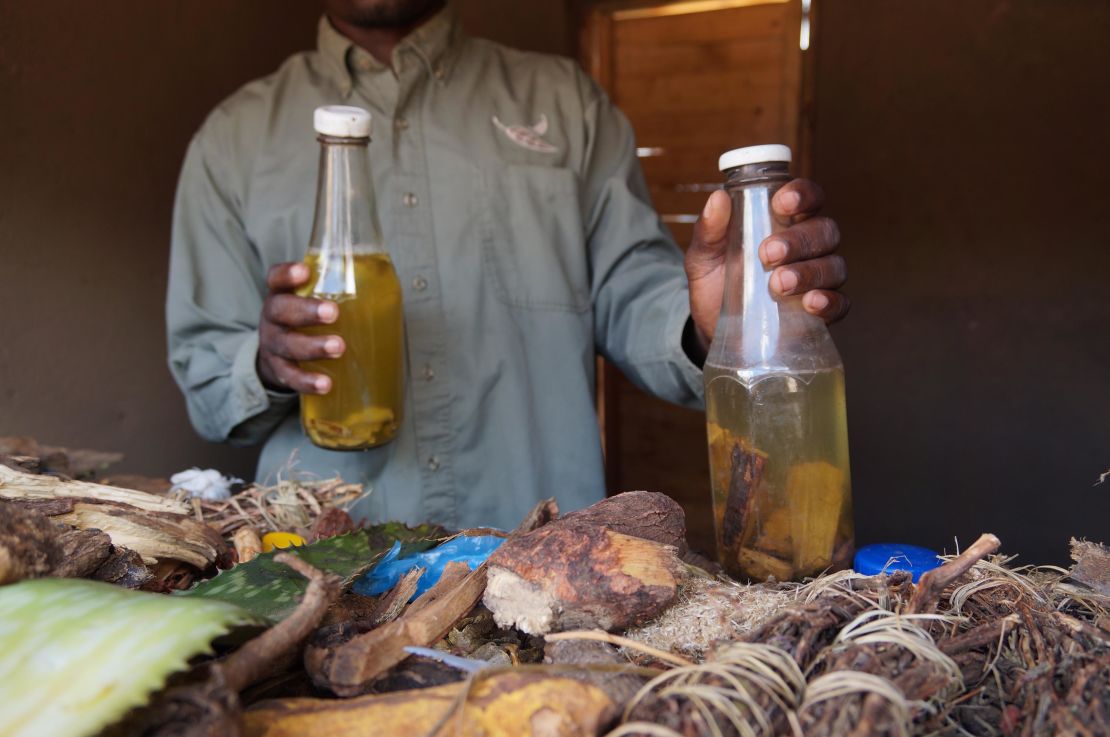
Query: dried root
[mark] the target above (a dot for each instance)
(977, 648)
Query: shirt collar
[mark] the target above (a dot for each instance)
(434, 43)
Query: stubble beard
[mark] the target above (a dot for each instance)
(388, 13)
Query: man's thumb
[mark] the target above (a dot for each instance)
(711, 230)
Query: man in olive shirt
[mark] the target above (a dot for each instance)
(517, 217)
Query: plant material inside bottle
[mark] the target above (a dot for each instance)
(363, 408)
(778, 455)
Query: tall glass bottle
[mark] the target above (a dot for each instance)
(350, 266)
(774, 386)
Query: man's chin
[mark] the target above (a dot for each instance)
(382, 13)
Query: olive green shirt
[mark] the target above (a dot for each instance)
(518, 219)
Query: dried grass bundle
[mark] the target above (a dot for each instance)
(293, 504)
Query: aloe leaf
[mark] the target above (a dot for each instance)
(76, 655)
(271, 590)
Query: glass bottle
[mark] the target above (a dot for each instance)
(774, 388)
(350, 266)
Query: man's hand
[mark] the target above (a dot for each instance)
(281, 345)
(802, 256)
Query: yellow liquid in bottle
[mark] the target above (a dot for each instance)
(778, 456)
(363, 408)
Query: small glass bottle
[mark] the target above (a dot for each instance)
(350, 266)
(774, 388)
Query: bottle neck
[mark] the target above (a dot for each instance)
(756, 331)
(346, 217)
(771, 173)
(751, 188)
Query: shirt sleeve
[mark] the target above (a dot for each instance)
(214, 301)
(638, 282)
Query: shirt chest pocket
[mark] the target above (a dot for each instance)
(534, 245)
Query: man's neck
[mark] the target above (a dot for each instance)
(380, 41)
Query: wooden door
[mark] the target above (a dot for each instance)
(695, 78)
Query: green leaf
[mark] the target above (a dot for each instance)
(76, 655)
(384, 535)
(271, 590)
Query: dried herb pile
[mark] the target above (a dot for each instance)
(977, 648)
(598, 622)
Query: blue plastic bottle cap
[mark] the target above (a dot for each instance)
(890, 557)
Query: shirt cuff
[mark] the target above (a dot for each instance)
(690, 373)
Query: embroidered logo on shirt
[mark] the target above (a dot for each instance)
(525, 137)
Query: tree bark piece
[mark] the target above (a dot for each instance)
(644, 514)
(747, 473)
(123, 568)
(83, 552)
(33, 545)
(18, 485)
(507, 704)
(541, 514)
(348, 667)
(29, 545)
(572, 575)
(1092, 565)
(46, 507)
(156, 527)
(138, 482)
(79, 462)
(390, 605)
(155, 536)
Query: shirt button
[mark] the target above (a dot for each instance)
(402, 124)
(409, 199)
(429, 373)
(433, 463)
(419, 283)
(439, 71)
(362, 63)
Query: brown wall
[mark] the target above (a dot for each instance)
(98, 101)
(965, 147)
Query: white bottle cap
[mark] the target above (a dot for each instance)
(342, 121)
(754, 155)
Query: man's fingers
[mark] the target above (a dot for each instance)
(797, 199)
(811, 239)
(298, 312)
(827, 272)
(829, 306)
(280, 350)
(292, 376)
(294, 346)
(286, 277)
